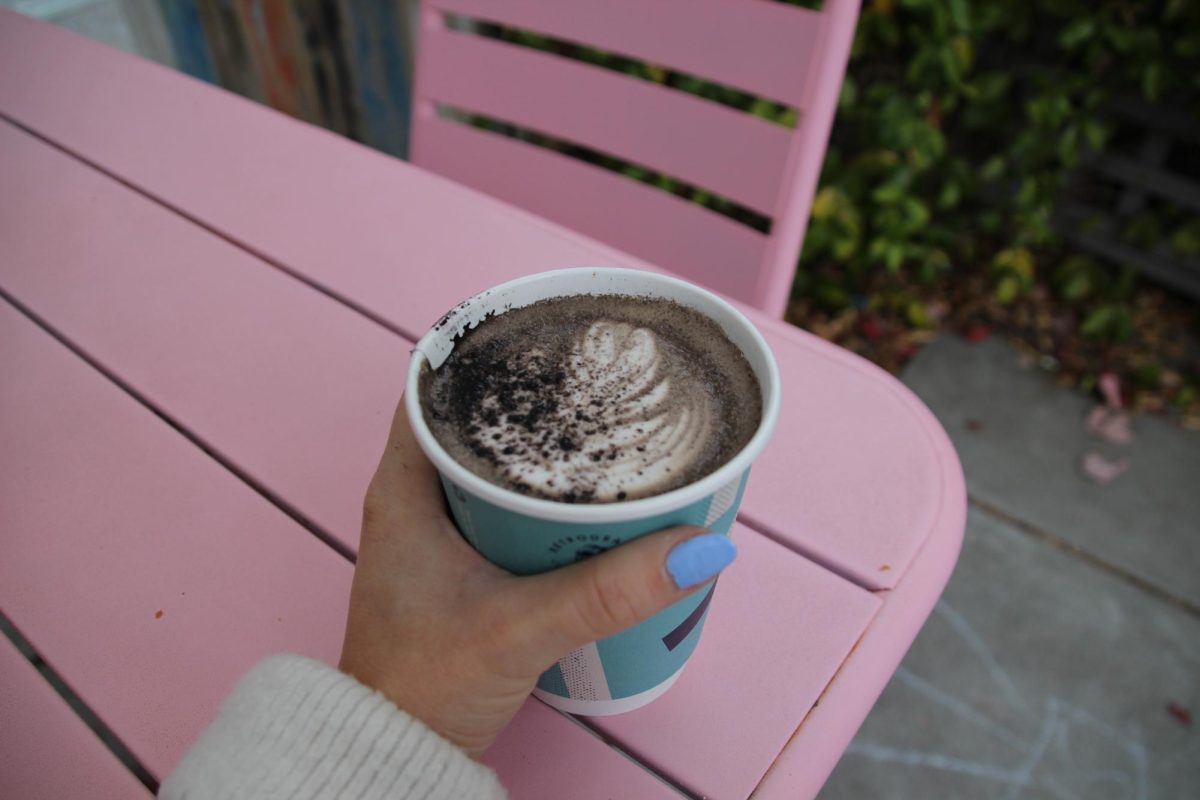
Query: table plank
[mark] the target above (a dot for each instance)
(139, 289)
(143, 523)
(46, 752)
(854, 476)
(143, 572)
(832, 723)
(760, 666)
(174, 309)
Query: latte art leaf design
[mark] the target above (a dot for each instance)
(625, 421)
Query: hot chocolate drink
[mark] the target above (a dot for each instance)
(593, 398)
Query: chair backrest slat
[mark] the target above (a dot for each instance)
(713, 147)
(685, 237)
(757, 46)
(561, 129)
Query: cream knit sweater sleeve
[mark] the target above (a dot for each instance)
(297, 728)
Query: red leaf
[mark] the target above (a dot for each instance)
(871, 328)
(1180, 713)
(977, 332)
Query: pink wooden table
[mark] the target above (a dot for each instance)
(206, 311)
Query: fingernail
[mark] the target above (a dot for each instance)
(699, 558)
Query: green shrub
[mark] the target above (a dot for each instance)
(958, 126)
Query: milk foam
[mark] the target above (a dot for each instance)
(631, 423)
(593, 398)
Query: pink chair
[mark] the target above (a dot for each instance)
(787, 54)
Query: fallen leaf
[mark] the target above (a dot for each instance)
(936, 310)
(1101, 470)
(977, 332)
(1111, 426)
(1110, 389)
(1181, 713)
(871, 328)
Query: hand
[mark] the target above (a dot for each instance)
(458, 642)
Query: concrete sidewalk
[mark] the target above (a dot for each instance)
(1071, 626)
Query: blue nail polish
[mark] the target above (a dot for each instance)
(699, 558)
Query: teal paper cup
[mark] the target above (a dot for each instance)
(528, 535)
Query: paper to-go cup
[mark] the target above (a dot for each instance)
(527, 535)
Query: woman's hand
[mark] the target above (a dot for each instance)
(458, 642)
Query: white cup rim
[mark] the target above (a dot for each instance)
(470, 312)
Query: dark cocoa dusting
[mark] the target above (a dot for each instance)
(509, 374)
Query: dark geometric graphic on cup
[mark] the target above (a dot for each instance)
(675, 637)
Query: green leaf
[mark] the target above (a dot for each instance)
(888, 193)
(961, 14)
(1028, 192)
(1068, 146)
(950, 66)
(1017, 261)
(1007, 289)
(915, 313)
(964, 51)
(826, 202)
(1077, 287)
(916, 212)
(1119, 36)
(831, 296)
(1077, 33)
(894, 257)
(1095, 133)
(992, 169)
(763, 108)
(950, 195)
(877, 248)
(991, 221)
(1098, 322)
(1186, 238)
(844, 247)
(849, 94)
(1148, 375)
(1152, 80)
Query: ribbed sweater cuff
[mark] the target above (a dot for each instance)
(297, 728)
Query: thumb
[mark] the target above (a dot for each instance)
(572, 606)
